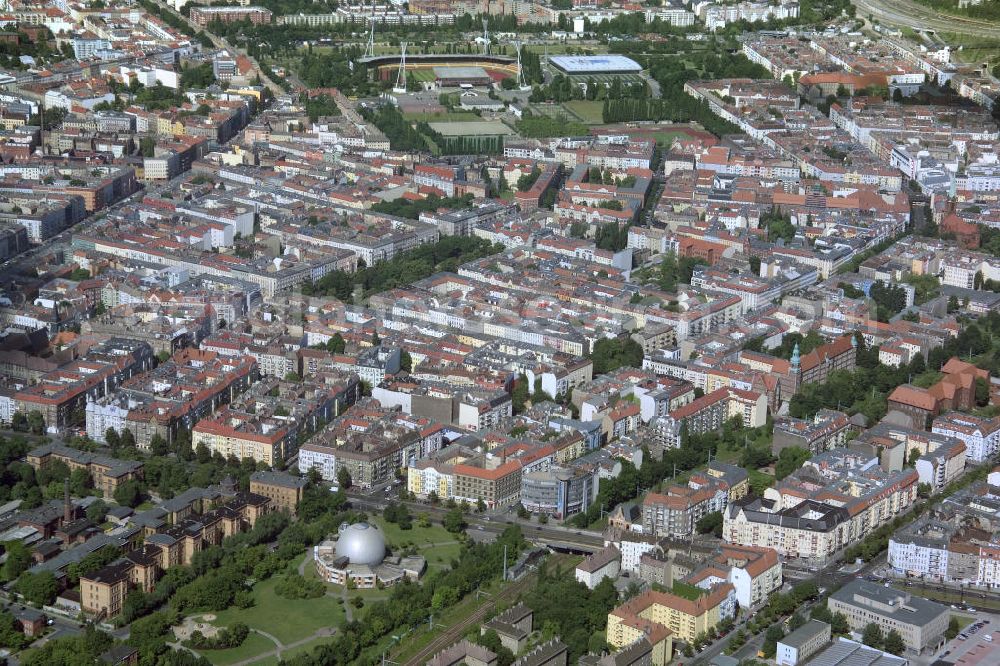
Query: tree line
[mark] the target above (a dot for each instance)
(405, 268)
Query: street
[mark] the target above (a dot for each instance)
(557, 535)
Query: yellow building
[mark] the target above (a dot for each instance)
(684, 618)
(430, 476)
(103, 592)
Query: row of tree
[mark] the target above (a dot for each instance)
(405, 268)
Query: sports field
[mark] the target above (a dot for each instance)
(472, 128)
(586, 111)
(446, 117)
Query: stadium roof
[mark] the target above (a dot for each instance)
(598, 64)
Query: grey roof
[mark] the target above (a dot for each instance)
(845, 652)
(457, 653)
(115, 466)
(282, 479)
(117, 539)
(542, 654)
(889, 602)
(757, 510)
(805, 633)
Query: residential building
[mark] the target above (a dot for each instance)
(684, 618)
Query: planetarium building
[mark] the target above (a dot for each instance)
(358, 556)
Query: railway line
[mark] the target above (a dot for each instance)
(453, 633)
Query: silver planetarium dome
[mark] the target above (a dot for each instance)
(361, 543)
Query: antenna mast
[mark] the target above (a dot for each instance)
(521, 82)
(401, 72)
(370, 47)
(486, 37)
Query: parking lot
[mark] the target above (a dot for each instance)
(978, 643)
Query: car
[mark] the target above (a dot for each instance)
(479, 527)
(988, 638)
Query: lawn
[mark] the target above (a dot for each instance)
(420, 73)
(288, 620)
(949, 596)
(421, 538)
(666, 137)
(590, 112)
(975, 50)
(253, 645)
(302, 649)
(558, 49)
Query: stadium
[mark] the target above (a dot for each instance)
(445, 70)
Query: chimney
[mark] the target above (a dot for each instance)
(67, 505)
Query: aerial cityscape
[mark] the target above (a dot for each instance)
(500, 333)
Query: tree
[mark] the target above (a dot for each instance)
(39, 589)
(202, 453)
(774, 634)
(158, 445)
(97, 511)
(344, 478)
(839, 624)
(914, 456)
(36, 422)
(609, 354)
(519, 393)
(18, 560)
(894, 643)
(789, 460)
(336, 344)
(454, 521)
(954, 627)
(111, 438)
(982, 392)
(710, 523)
(405, 361)
(796, 621)
(128, 493)
(872, 636)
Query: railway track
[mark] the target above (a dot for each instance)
(453, 633)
